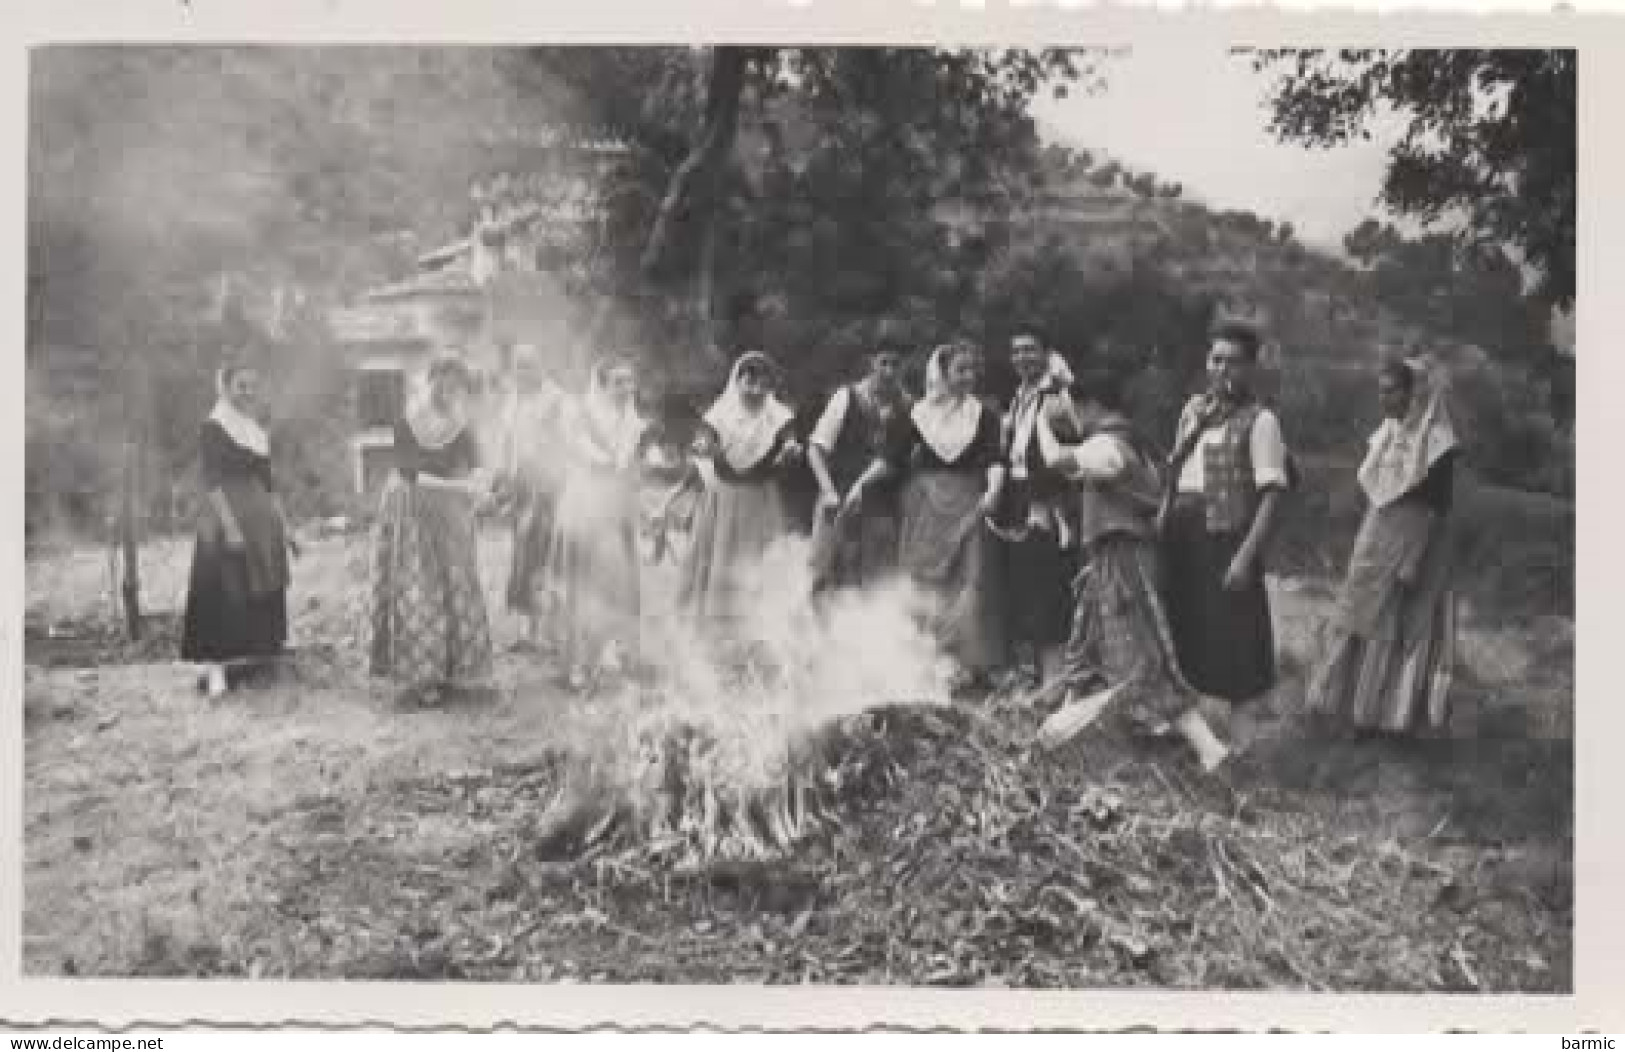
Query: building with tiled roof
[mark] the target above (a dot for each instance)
(483, 292)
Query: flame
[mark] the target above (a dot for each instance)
(713, 750)
(790, 667)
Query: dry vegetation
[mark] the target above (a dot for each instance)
(305, 829)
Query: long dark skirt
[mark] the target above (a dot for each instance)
(222, 621)
(1038, 575)
(1039, 605)
(430, 628)
(237, 601)
(532, 542)
(1225, 639)
(952, 555)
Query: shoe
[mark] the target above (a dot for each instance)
(1074, 717)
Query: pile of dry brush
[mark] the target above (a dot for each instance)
(931, 844)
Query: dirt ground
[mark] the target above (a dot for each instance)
(307, 829)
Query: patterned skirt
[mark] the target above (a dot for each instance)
(430, 628)
(1120, 636)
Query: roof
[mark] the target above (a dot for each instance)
(524, 216)
(558, 137)
(369, 325)
(444, 255)
(450, 284)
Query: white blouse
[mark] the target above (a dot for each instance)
(1096, 459)
(828, 430)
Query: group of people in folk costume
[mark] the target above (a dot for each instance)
(1058, 549)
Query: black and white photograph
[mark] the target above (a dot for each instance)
(1065, 518)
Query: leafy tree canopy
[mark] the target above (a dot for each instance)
(1489, 139)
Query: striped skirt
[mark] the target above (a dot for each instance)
(1391, 649)
(1120, 636)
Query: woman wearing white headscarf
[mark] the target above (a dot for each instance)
(955, 478)
(1392, 650)
(747, 442)
(236, 598)
(593, 558)
(431, 634)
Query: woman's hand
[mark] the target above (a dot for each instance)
(989, 504)
(789, 454)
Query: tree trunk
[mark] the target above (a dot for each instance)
(129, 542)
(705, 287)
(696, 176)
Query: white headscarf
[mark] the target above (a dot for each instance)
(1401, 452)
(242, 428)
(614, 430)
(946, 421)
(745, 435)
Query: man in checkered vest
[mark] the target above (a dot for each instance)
(1227, 473)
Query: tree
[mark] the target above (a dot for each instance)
(1488, 141)
(809, 191)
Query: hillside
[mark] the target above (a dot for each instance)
(1328, 319)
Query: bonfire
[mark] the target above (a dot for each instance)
(733, 751)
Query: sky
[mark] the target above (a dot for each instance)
(1193, 114)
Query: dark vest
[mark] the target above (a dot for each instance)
(870, 430)
(1228, 488)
